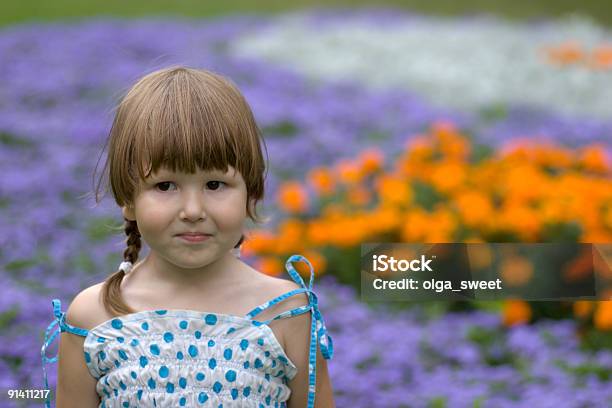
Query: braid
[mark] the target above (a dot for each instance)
(133, 242)
(111, 290)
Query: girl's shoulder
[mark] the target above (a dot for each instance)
(270, 287)
(86, 309)
(284, 286)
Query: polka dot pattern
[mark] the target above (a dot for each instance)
(187, 359)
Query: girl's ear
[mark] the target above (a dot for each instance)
(128, 213)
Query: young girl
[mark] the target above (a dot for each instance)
(190, 324)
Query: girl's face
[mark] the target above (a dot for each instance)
(190, 220)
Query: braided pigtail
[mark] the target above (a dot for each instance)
(111, 290)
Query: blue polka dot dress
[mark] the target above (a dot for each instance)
(175, 358)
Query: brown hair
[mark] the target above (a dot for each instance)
(183, 119)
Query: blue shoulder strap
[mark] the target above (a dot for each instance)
(318, 331)
(56, 327)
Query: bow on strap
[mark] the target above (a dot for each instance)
(54, 329)
(57, 326)
(318, 331)
(321, 336)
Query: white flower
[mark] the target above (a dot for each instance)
(467, 64)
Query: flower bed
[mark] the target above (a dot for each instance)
(55, 110)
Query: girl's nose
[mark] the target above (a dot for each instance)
(193, 206)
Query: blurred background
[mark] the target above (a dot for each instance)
(397, 121)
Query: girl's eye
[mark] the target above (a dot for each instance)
(164, 185)
(214, 185)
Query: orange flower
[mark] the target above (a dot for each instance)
(412, 169)
(552, 211)
(270, 266)
(442, 226)
(452, 145)
(443, 130)
(582, 308)
(508, 192)
(552, 156)
(447, 176)
(579, 267)
(596, 235)
(456, 149)
(347, 231)
(602, 319)
(567, 53)
(384, 219)
(520, 219)
(418, 150)
(349, 172)
(524, 182)
(317, 232)
(593, 158)
(322, 180)
(371, 160)
(515, 151)
(480, 256)
(486, 176)
(515, 270)
(318, 262)
(257, 242)
(416, 226)
(290, 237)
(393, 190)
(602, 56)
(358, 196)
(292, 197)
(515, 312)
(474, 207)
(420, 226)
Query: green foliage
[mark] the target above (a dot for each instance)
(494, 113)
(561, 232)
(7, 317)
(597, 340)
(491, 342)
(481, 336)
(20, 264)
(582, 371)
(99, 229)
(365, 365)
(480, 152)
(346, 261)
(425, 195)
(83, 262)
(377, 135)
(437, 402)
(283, 129)
(551, 310)
(10, 140)
(12, 12)
(478, 402)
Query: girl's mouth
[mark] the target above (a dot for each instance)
(193, 237)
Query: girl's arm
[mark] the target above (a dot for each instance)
(297, 342)
(76, 387)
